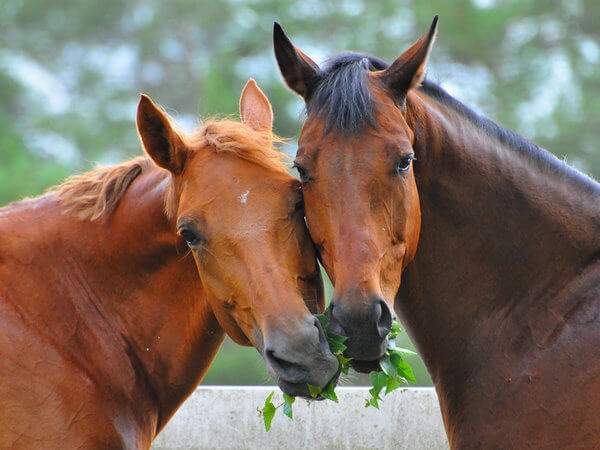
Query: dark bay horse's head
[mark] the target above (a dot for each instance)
(239, 211)
(355, 162)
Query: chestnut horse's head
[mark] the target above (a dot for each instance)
(355, 162)
(240, 214)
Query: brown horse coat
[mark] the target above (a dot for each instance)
(106, 324)
(502, 298)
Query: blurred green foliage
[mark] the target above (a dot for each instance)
(71, 71)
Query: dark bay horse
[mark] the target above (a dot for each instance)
(117, 287)
(502, 298)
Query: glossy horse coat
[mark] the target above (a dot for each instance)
(502, 298)
(106, 324)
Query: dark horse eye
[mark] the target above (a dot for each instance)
(304, 178)
(299, 206)
(404, 164)
(191, 237)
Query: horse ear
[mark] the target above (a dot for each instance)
(255, 108)
(160, 140)
(300, 73)
(408, 71)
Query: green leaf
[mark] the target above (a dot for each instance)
(374, 393)
(395, 331)
(386, 365)
(379, 380)
(405, 351)
(268, 411)
(404, 370)
(324, 321)
(396, 359)
(392, 385)
(342, 359)
(372, 402)
(329, 392)
(314, 390)
(287, 406)
(336, 342)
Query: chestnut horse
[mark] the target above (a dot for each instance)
(110, 318)
(503, 296)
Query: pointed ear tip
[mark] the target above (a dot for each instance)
(250, 84)
(433, 28)
(144, 99)
(278, 33)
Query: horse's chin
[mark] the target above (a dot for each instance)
(301, 389)
(365, 366)
(294, 389)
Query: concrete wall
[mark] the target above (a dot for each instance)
(218, 417)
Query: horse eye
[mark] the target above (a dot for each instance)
(191, 237)
(404, 164)
(304, 177)
(299, 206)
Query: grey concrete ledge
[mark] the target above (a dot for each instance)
(225, 417)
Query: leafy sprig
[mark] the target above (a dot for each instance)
(394, 373)
(268, 411)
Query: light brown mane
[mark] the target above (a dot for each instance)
(240, 139)
(95, 194)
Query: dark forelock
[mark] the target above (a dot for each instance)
(342, 97)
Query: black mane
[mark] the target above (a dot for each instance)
(342, 97)
(542, 157)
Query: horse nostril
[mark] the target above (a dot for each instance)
(384, 321)
(323, 344)
(335, 325)
(292, 371)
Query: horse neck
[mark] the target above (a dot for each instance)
(143, 324)
(503, 232)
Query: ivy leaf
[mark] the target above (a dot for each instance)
(392, 385)
(342, 359)
(329, 392)
(404, 370)
(386, 365)
(268, 411)
(406, 352)
(396, 358)
(379, 380)
(324, 321)
(287, 406)
(372, 402)
(395, 331)
(314, 390)
(336, 342)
